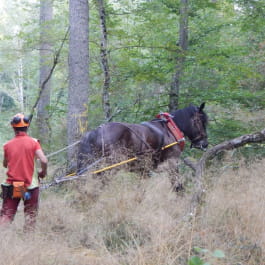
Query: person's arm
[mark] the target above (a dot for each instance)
(5, 162)
(44, 163)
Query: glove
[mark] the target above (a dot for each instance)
(41, 174)
(27, 195)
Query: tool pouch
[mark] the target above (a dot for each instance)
(19, 189)
(7, 191)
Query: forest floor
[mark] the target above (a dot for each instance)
(136, 221)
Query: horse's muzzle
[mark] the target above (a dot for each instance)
(202, 144)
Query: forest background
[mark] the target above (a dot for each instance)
(224, 64)
(144, 57)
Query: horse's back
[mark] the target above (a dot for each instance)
(136, 137)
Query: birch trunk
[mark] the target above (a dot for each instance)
(20, 85)
(104, 60)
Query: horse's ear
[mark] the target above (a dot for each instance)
(202, 106)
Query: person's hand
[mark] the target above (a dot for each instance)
(41, 174)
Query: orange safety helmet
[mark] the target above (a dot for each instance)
(19, 120)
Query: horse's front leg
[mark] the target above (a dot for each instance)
(170, 167)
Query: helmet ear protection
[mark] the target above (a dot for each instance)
(19, 120)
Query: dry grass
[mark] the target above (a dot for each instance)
(137, 221)
(233, 218)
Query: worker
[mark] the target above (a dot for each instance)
(22, 182)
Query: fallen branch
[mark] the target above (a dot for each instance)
(199, 166)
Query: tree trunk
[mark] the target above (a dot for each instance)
(104, 60)
(78, 72)
(180, 58)
(20, 85)
(46, 59)
(18, 81)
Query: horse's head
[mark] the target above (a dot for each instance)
(199, 122)
(192, 121)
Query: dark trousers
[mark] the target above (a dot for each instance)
(10, 205)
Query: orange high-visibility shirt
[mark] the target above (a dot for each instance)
(19, 153)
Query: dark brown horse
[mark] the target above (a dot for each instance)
(147, 137)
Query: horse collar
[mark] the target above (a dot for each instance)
(173, 128)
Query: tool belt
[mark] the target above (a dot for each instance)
(19, 189)
(15, 191)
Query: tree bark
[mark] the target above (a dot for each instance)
(78, 91)
(104, 60)
(46, 58)
(180, 58)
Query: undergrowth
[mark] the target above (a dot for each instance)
(135, 221)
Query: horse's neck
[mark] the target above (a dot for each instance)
(180, 118)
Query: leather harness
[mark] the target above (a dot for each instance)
(173, 128)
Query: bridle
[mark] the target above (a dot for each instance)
(198, 124)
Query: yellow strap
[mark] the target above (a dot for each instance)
(70, 175)
(114, 165)
(169, 145)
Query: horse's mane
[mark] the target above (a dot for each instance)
(181, 116)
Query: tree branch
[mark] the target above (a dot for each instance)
(199, 166)
(55, 62)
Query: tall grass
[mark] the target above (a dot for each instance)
(136, 221)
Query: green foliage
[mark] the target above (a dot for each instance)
(226, 97)
(6, 102)
(205, 253)
(252, 15)
(227, 128)
(248, 152)
(224, 63)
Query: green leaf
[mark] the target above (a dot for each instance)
(200, 250)
(218, 254)
(195, 260)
